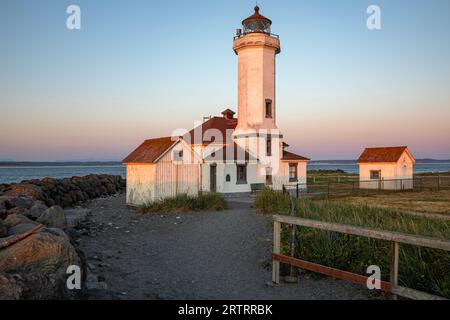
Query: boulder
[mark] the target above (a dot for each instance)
(15, 219)
(38, 208)
(3, 230)
(42, 260)
(53, 217)
(25, 190)
(10, 287)
(20, 202)
(75, 216)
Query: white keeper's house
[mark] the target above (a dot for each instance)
(224, 154)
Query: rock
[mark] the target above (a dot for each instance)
(53, 217)
(74, 217)
(20, 228)
(25, 190)
(37, 209)
(42, 260)
(20, 202)
(13, 220)
(3, 230)
(10, 287)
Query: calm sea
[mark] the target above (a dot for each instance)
(20, 173)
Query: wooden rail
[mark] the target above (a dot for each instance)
(395, 237)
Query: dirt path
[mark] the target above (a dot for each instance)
(209, 255)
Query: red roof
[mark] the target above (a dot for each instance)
(383, 154)
(289, 156)
(218, 123)
(257, 16)
(149, 150)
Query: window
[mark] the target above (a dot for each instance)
(178, 155)
(375, 174)
(268, 108)
(241, 174)
(268, 176)
(269, 146)
(293, 172)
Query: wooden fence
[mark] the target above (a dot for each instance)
(395, 238)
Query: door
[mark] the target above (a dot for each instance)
(213, 178)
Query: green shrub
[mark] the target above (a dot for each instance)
(183, 202)
(419, 268)
(270, 201)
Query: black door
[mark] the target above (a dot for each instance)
(212, 178)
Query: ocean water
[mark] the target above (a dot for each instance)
(20, 173)
(353, 167)
(17, 174)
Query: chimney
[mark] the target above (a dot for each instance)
(228, 114)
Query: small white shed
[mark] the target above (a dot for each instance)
(386, 168)
(161, 168)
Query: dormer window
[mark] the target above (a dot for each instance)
(268, 108)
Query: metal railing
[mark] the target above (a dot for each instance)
(395, 238)
(266, 33)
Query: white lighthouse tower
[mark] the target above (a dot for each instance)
(256, 130)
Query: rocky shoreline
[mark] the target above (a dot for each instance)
(39, 227)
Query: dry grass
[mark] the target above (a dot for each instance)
(417, 201)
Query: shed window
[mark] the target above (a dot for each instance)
(241, 174)
(293, 172)
(375, 174)
(268, 108)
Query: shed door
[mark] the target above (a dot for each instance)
(213, 178)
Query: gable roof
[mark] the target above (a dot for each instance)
(383, 154)
(150, 150)
(289, 156)
(221, 124)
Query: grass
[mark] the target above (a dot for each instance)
(420, 268)
(269, 201)
(185, 203)
(421, 201)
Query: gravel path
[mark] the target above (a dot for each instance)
(207, 255)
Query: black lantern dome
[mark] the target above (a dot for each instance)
(256, 23)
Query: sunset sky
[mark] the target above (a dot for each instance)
(140, 69)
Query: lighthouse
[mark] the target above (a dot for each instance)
(256, 48)
(232, 155)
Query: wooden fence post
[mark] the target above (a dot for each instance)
(276, 249)
(439, 182)
(394, 266)
(297, 190)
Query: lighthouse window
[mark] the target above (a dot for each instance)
(269, 146)
(268, 108)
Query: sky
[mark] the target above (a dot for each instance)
(139, 69)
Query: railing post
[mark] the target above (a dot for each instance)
(276, 249)
(394, 267)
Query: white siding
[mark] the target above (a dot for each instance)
(140, 183)
(391, 174)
